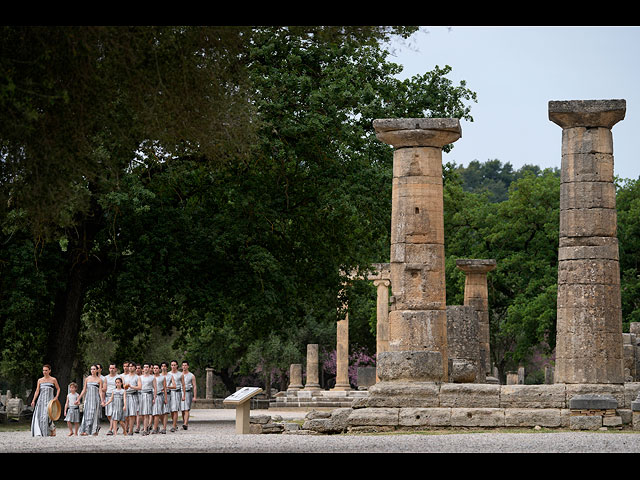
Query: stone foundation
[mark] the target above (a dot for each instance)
(316, 399)
(390, 406)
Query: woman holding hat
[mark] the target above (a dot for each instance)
(41, 423)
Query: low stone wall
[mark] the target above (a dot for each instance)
(316, 398)
(418, 406)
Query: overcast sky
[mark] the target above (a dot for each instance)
(516, 71)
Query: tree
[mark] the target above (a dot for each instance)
(214, 183)
(521, 233)
(77, 103)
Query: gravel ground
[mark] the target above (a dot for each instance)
(213, 431)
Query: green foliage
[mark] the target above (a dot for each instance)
(521, 233)
(628, 210)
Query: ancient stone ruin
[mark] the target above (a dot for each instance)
(434, 360)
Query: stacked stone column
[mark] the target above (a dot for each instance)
(342, 354)
(418, 321)
(589, 346)
(476, 295)
(313, 364)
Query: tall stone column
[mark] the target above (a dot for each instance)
(313, 363)
(589, 320)
(382, 317)
(476, 295)
(342, 354)
(418, 322)
(209, 384)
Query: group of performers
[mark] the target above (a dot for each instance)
(141, 396)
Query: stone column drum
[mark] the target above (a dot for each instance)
(295, 377)
(589, 317)
(476, 295)
(312, 381)
(418, 320)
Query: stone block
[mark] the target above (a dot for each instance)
(587, 113)
(586, 167)
(530, 417)
(417, 288)
(617, 391)
(374, 416)
(589, 296)
(587, 222)
(463, 371)
(589, 271)
(601, 194)
(417, 132)
(592, 401)
(533, 396)
(635, 420)
(425, 417)
(401, 394)
(587, 140)
(585, 422)
(579, 252)
(631, 391)
(477, 417)
(419, 366)
(469, 395)
(613, 421)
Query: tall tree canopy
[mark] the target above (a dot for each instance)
(212, 181)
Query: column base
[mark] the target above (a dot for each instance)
(420, 366)
(341, 387)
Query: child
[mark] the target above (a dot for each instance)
(119, 407)
(72, 409)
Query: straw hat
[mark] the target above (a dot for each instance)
(54, 409)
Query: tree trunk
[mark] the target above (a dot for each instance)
(227, 379)
(81, 270)
(65, 327)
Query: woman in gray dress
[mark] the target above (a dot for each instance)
(160, 399)
(147, 397)
(41, 423)
(132, 386)
(93, 400)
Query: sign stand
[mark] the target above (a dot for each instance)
(242, 400)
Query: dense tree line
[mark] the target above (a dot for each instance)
(201, 192)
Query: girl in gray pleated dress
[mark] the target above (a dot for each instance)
(160, 398)
(118, 402)
(72, 409)
(93, 399)
(147, 396)
(41, 423)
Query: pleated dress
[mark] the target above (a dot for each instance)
(133, 396)
(41, 424)
(91, 413)
(146, 395)
(175, 395)
(158, 405)
(73, 410)
(117, 410)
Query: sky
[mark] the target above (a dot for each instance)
(516, 71)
